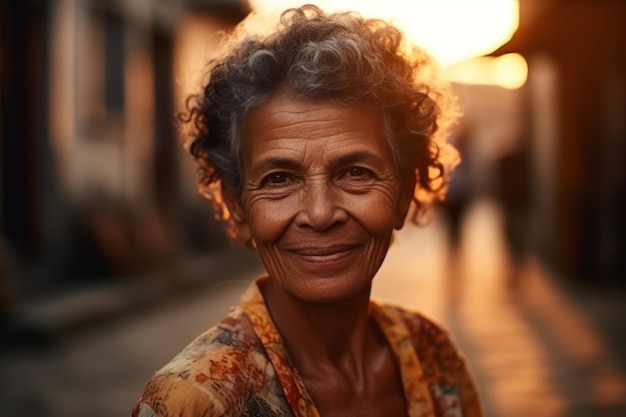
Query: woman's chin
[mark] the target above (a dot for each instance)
(326, 289)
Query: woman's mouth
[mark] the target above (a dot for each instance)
(324, 254)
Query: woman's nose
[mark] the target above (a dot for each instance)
(320, 207)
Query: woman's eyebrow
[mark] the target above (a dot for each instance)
(271, 163)
(358, 156)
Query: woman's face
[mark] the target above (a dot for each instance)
(320, 197)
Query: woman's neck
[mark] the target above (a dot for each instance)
(318, 334)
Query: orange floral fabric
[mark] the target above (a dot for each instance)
(241, 368)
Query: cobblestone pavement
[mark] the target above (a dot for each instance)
(536, 350)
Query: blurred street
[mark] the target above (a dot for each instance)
(111, 262)
(537, 348)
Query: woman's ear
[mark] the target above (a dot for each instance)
(238, 218)
(405, 199)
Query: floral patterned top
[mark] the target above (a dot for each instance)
(240, 367)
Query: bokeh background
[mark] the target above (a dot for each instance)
(110, 262)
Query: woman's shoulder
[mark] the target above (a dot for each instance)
(417, 323)
(212, 376)
(431, 341)
(442, 365)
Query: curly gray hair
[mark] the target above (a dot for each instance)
(342, 58)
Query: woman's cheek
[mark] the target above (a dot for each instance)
(268, 219)
(376, 211)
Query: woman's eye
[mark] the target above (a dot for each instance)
(276, 178)
(360, 173)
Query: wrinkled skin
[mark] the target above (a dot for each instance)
(321, 199)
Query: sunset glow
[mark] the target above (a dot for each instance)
(507, 71)
(451, 30)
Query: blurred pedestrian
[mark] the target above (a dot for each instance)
(460, 192)
(513, 195)
(459, 197)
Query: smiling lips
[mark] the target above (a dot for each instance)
(325, 253)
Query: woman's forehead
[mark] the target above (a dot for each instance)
(285, 124)
(284, 115)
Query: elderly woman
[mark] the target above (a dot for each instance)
(316, 140)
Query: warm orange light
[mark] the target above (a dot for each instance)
(451, 30)
(507, 71)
